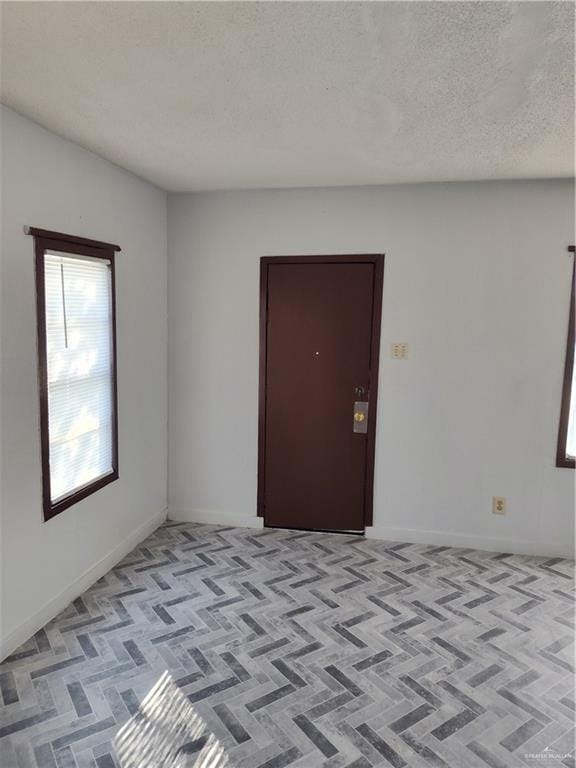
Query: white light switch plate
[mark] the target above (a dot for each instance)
(399, 350)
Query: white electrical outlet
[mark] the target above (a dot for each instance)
(399, 350)
(498, 505)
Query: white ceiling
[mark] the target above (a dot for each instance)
(209, 95)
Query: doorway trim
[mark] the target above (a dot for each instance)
(378, 261)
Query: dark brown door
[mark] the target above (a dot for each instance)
(320, 336)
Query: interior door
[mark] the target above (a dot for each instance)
(321, 321)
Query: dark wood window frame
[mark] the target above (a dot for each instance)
(46, 240)
(562, 458)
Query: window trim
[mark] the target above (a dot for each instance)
(45, 240)
(562, 459)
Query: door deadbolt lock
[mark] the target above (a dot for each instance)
(360, 422)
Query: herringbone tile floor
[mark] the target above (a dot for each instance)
(213, 647)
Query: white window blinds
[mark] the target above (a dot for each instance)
(571, 436)
(78, 295)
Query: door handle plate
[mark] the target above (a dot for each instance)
(360, 420)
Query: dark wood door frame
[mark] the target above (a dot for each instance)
(378, 261)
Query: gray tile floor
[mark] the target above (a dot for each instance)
(215, 647)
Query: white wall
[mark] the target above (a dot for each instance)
(53, 184)
(477, 281)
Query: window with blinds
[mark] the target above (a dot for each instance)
(571, 436)
(77, 371)
(566, 452)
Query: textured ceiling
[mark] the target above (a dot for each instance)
(209, 95)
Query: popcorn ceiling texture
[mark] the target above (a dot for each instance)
(235, 95)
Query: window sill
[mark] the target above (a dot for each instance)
(53, 509)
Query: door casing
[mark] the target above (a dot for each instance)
(378, 261)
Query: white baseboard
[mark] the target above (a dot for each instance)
(214, 517)
(468, 541)
(25, 631)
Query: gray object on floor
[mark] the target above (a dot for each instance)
(234, 647)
